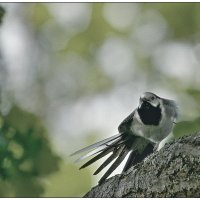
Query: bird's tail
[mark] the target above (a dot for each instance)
(119, 145)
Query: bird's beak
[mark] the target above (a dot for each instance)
(143, 99)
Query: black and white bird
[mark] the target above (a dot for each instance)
(148, 125)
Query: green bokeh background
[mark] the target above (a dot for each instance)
(69, 60)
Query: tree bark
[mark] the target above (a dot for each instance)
(174, 171)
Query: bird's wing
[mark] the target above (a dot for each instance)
(126, 123)
(172, 108)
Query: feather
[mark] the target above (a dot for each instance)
(119, 145)
(97, 144)
(99, 149)
(115, 153)
(107, 148)
(91, 153)
(117, 162)
(100, 155)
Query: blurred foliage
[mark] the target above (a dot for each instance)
(195, 94)
(39, 15)
(68, 181)
(2, 12)
(93, 36)
(190, 127)
(25, 155)
(187, 127)
(176, 14)
(76, 60)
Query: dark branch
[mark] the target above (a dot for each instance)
(174, 171)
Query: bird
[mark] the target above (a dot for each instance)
(149, 126)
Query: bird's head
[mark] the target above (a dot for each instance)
(149, 98)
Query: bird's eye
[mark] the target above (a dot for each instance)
(152, 98)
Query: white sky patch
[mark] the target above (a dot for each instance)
(151, 29)
(73, 17)
(177, 60)
(121, 16)
(116, 57)
(15, 51)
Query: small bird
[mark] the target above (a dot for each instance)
(149, 125)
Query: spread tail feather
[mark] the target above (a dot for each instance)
(93, 146)
(119, 145)
(117, 162)
(100, 155)
(115, 153)
(101, 148)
